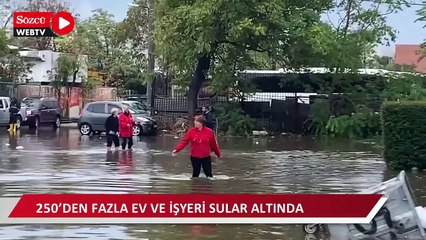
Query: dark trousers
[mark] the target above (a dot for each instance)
(13, 118)
(112, 139)
(197, 163)
(128, 142)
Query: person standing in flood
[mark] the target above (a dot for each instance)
(112, 129)
(13, 116)
(203, 142)
(210, 119)
(126, 124)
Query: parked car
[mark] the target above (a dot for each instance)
(142, 99)
(94, 115)
(4, 113)
(41, 111)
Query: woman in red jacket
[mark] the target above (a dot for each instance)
(126, 124)
(203, 142)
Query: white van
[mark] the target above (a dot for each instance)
(4, 112)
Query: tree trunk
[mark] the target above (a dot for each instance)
(199, 76)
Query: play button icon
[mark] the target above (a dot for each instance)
(62, 23)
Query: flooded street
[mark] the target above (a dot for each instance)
(65, 162)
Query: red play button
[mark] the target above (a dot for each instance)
(63, 23)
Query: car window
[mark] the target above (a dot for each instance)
(97, 108)
(49, 104)
(1, 103)
(53, 104)
(111, 106)
(31, 103)
(6, 103)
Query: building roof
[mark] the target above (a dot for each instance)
(314, 70)
(410, 54)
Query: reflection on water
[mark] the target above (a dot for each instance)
(64, 162)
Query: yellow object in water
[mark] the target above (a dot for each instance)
(12, 128)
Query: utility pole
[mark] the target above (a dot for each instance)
(151, 58)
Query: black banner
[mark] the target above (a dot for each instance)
(33, 32)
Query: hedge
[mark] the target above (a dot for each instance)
(404, 134)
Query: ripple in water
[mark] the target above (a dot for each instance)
(66, 163)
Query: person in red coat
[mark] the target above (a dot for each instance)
(126, 124)
(203, 142)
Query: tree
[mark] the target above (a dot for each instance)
(108, 51)
(349, 41)
(201, 38)
(422, 17)
(6, 10)
(13, 68)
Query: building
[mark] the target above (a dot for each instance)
(410, 55)
(45, 64)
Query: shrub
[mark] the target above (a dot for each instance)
(364, 123)
(320, 114)
(232, 120)
(404, 134)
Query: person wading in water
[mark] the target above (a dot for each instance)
(126, 124)
(111, 127)
(13, 116)
(203, 142)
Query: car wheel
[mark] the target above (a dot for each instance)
(85, 129)
(57, 123)
(137, 130)
(18, 122)
(311, 228)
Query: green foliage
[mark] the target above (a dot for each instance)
(89, 85)
(343, 126)
(369, 123)
(101, 39)
(231, 33)
(405, 86)
(13, 68)
(320, 114)
(363, 123)
(67, 65)
(232, 120)
(404, 131)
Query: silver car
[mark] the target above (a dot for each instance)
(94, 115)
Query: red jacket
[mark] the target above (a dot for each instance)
(126, 124)
(203, 142)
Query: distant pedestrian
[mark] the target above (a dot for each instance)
(210, 119)
(112, 129)
(126, 124)
(13, 115)
(203, 142)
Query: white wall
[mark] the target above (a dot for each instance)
(48, 62)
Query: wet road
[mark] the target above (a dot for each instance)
(65, 162)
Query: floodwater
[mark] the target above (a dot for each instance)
(62, 161)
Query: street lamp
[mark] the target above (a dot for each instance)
(151, 59)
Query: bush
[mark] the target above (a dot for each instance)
(232, 120)
(320, 114)
(404, 134)
(364, 123)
